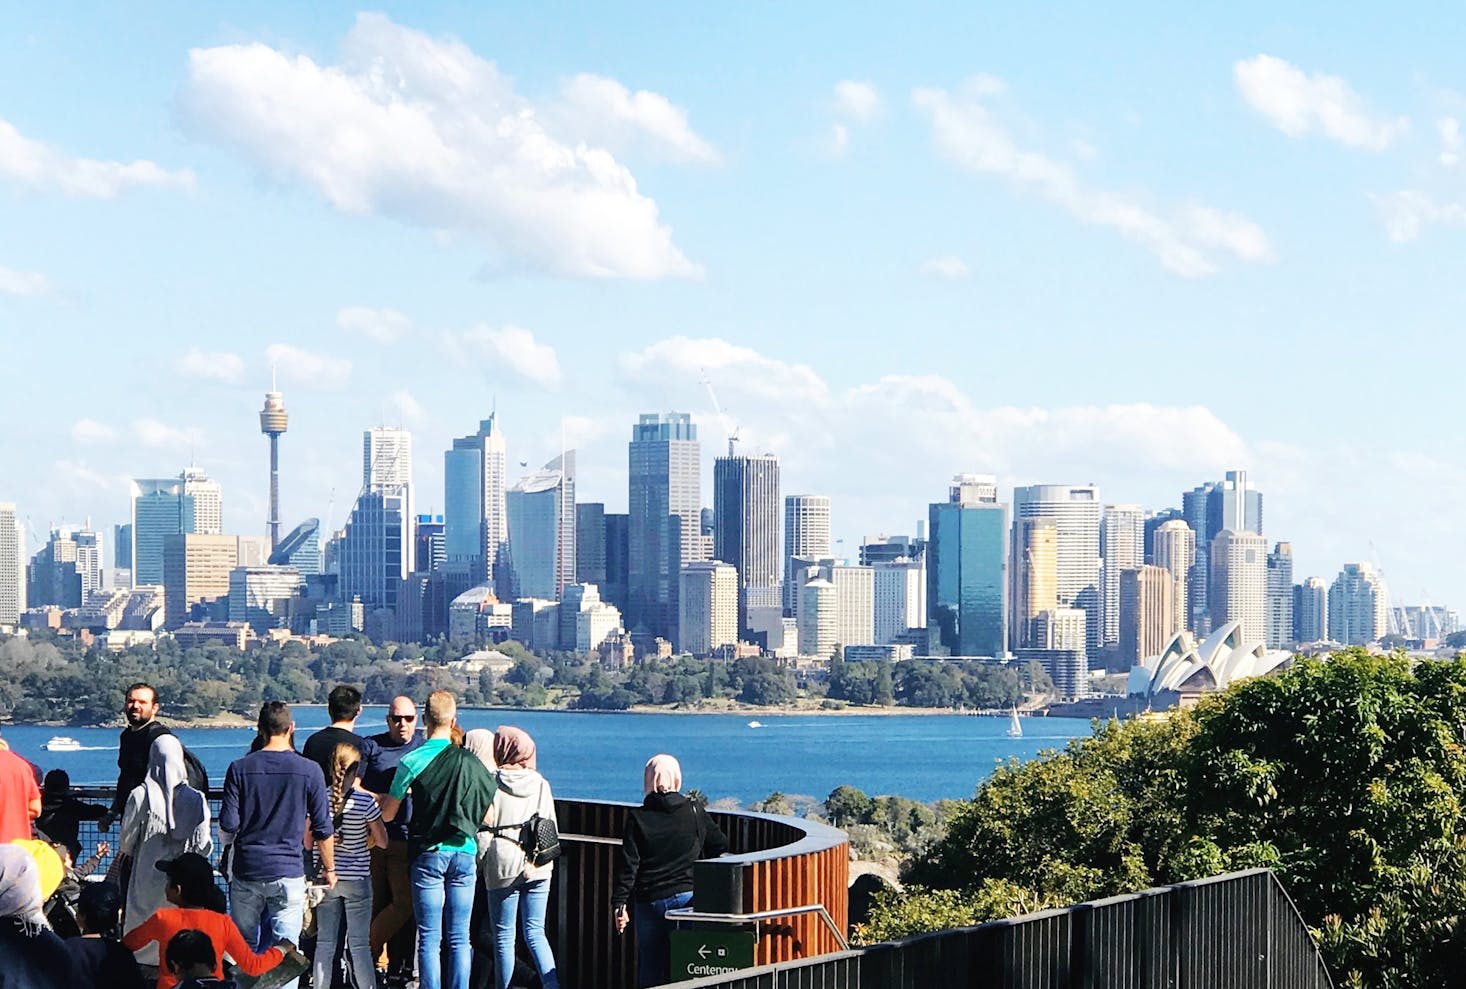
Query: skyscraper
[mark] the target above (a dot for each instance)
(806, 535)
(201, 503)
(12, 566)
(900, 598)
(196, 571)
(1122, 547)
(1358, 606)
(190, 503)
(53, 576)
(1147, 614)
(541, 510)
(1280, 596)
(376, 549)
(746, 532)
(1035, 569)
(1075, 509)
(273, 422)
(855, 616)
(967, 569)
(708, 607)
(819, 619)
(664, 502)
(1311, 611)
(1174, 548)
(618, 556)
(1209, 509)
(386, 458)
(430, 553)
(590, 544)
(475, 472)
(1238, 585)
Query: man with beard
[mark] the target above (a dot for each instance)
(134, 744)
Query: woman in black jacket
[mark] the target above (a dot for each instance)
(664, 836)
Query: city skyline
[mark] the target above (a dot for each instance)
(979, 174)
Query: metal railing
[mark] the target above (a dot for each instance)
(1238, 931)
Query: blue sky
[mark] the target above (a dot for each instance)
(1058, 244)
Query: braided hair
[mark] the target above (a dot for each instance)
(345, 765)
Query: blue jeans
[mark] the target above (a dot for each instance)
(347, 909)
(442, 897)
(268, 911)
(653, 946)
(504, 903)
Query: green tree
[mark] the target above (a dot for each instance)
(847, 805)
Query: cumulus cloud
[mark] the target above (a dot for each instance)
(92, 431)
(76, 473)
(23, 283)
(1406, 211)
(381, 325)
(948, 266)
(858, 100)
(1187, 240)
(151, 432)
(722, 363)
(1299, 103)
(304, 367)
(513, 347)
(409, 409)
(424, 131)
(220, 366)
(42, 168)
(603, 111)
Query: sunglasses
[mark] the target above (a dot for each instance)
(401, 717)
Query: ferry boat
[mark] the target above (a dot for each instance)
(755, 724)
(63, 743)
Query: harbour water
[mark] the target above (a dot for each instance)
(600, 756)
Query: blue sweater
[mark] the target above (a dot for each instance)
(267, 798)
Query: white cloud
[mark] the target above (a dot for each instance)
(726, 365)
(294, 364)
(1299, 104)
(423, 130)
(967, 132)
(151, 432)
(948, 266)
(381, 325)
(409, 408)
(38, 166)
(23, 283)
(1406, 211)
(605, 112)
(92, 431)
(1449, 129)
(512, 346)
(76, 473)
(221, 366)
(858, 100)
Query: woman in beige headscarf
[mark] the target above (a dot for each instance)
(163, 818)
(663, 837)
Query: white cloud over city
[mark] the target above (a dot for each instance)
(511, 347)
(217, 366)
(379, 325)
(38, 166)
(300, 366)
(422, 129)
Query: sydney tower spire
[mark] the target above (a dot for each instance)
(272, 423)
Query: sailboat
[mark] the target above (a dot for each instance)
(1015, 730)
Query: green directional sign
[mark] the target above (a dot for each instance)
(715, 951)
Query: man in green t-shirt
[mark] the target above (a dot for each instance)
(451, 794)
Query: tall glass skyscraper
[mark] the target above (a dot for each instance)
(967, 578)
(474, 514)
(190, 504)
(746, 532)
(541, 512)
(1210, 509)
(1075, 509)
(664, 504)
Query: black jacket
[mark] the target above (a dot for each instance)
(133, 746)
(664, 836)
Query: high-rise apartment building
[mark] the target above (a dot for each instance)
(900, 598)
(1035, 569)
(1147, 613)
(1154, 521)
(1173, 547)
(1075, 509)
(1211, 508)
(475, 519)
(819, 619)
(1122, 547)
(1358, 606)
(1311, 611)
(665, 508)
(708, 608)
(196, 571)
(806, 536)
(1238, 585)
(746, 533)
(967, 568)
(855, 604)
(1280, 596)
(542, 531)
(12, 566)
(1061, 628)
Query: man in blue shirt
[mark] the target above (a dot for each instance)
(269, 797)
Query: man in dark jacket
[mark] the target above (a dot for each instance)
(134, 744)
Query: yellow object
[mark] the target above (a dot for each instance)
(48, 863)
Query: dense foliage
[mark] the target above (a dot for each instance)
(1345, 776)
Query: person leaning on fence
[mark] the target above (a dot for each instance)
(98, 959)
(451, 793)
(62, 813)
(663, 838)
(515, 884)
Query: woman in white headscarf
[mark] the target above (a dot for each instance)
(31, 955)
(164, 817)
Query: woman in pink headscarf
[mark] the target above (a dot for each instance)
(663, 837)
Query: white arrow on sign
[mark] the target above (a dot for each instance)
(702, 951)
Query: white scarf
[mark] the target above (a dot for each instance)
(173, 807)
(20, 885)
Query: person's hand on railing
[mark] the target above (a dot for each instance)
(622, 919)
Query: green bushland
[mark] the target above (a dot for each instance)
(1345, 776)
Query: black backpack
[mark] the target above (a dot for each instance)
(198, 776)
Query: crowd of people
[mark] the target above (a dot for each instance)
(419, 855)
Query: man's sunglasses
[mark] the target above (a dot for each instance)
(401, 717)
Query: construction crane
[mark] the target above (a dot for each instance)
(728, 426)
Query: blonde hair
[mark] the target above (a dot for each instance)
(440, 709)
(345, 763)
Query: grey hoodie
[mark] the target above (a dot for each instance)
(521, 793)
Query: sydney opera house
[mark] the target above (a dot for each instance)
(1188, 669)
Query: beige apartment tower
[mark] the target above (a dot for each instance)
(196, 569)
(1238, 587)
(707, 607)
(1173, 546)
(1035, 569)
(1147, 612)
